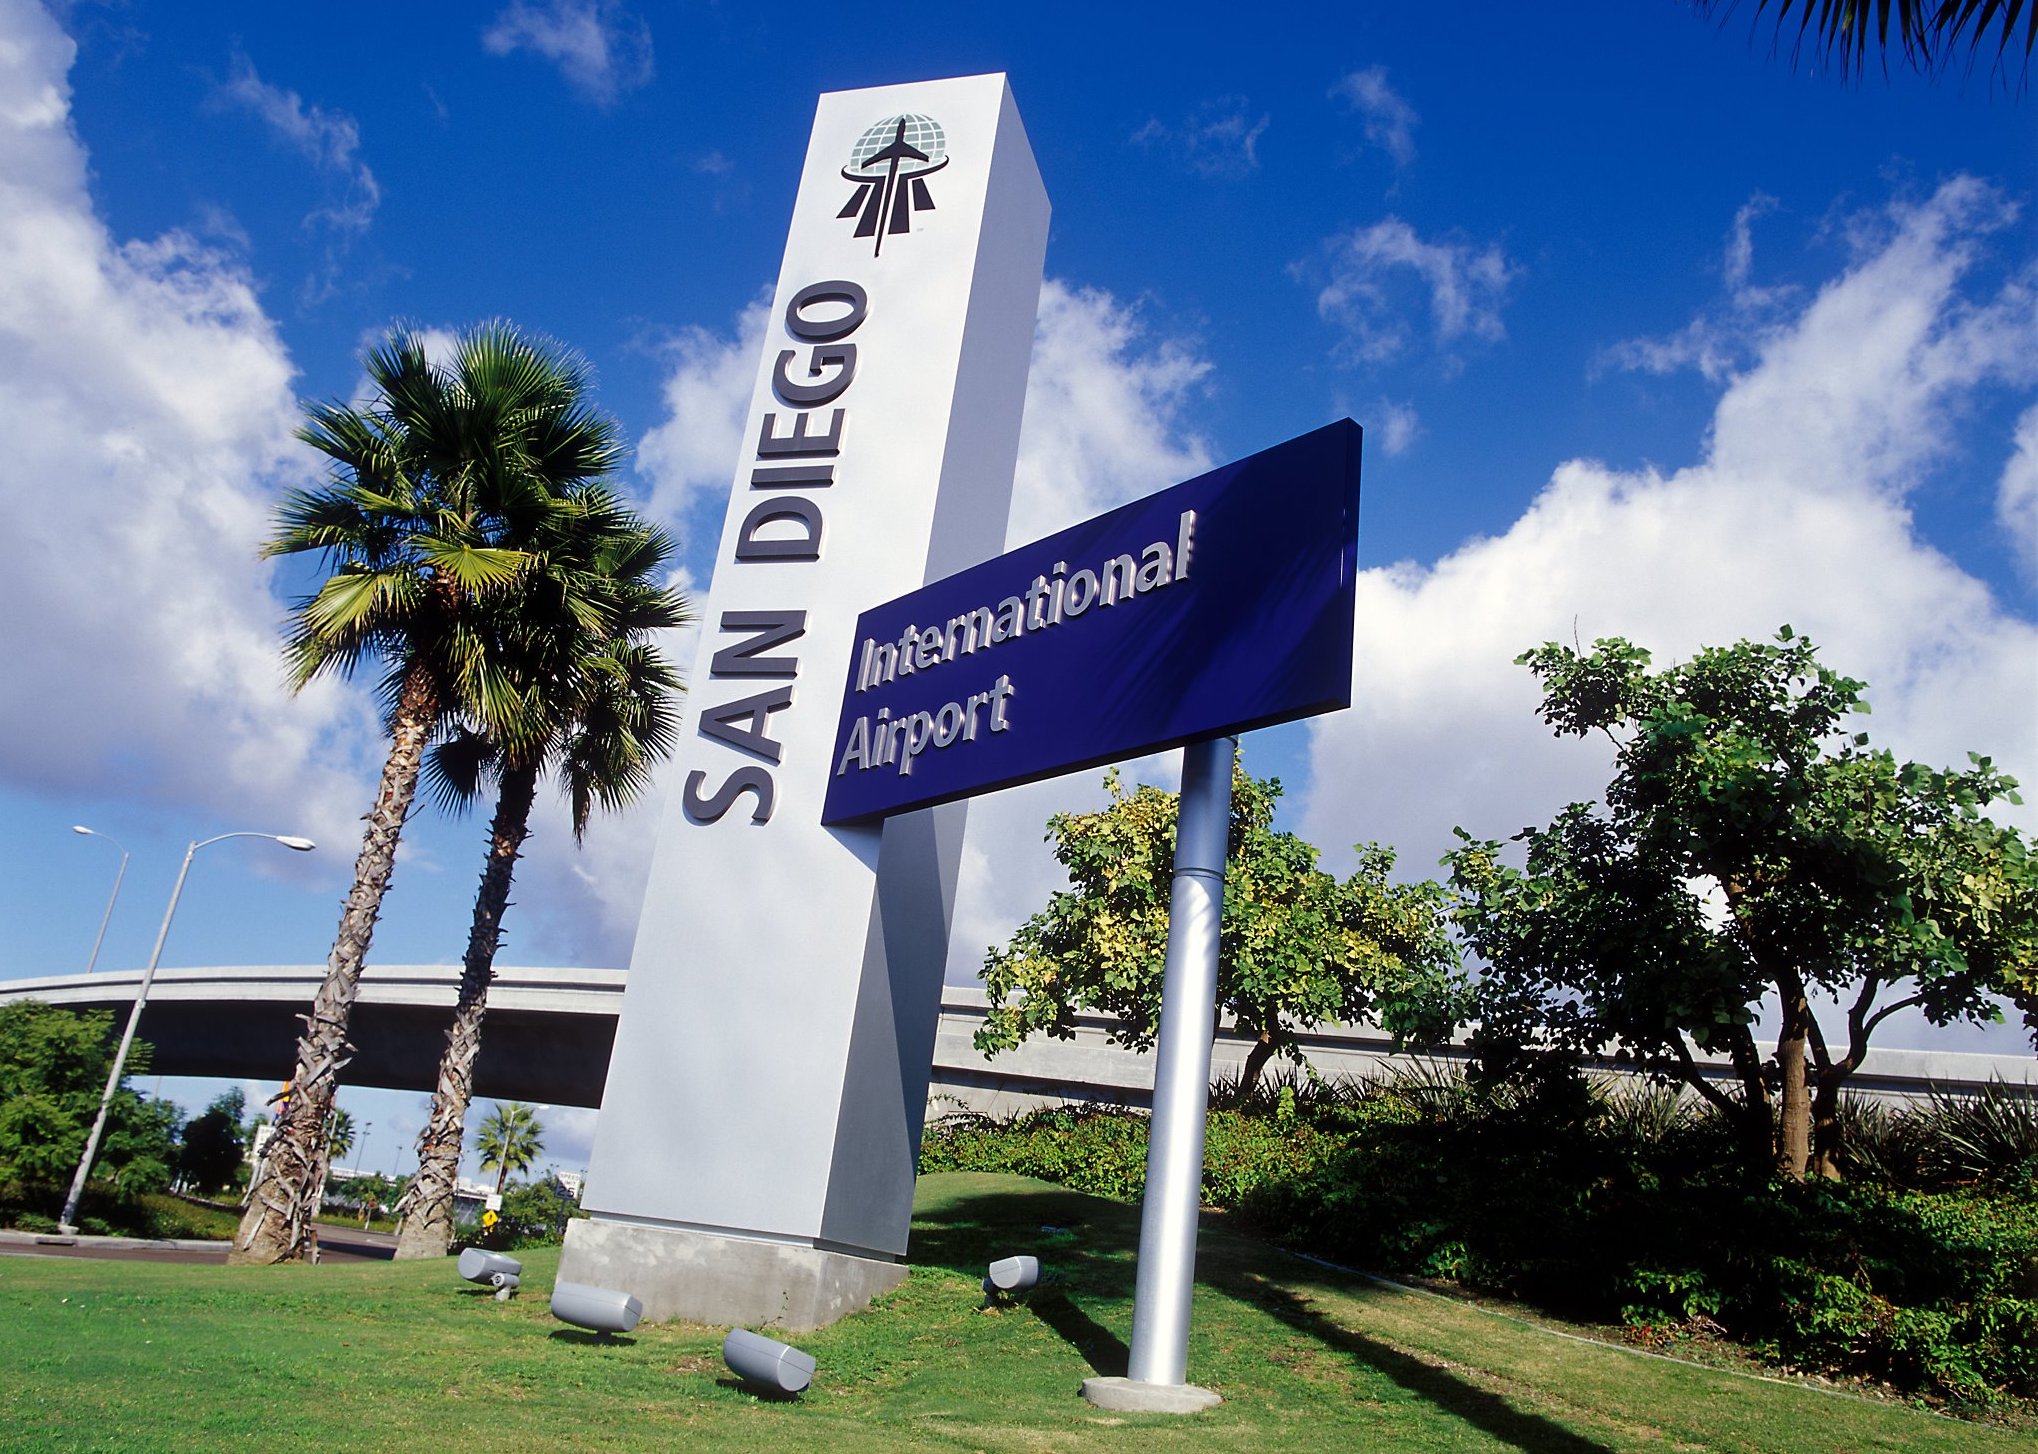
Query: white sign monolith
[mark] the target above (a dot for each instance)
(755, 1154)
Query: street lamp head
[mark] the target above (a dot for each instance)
(80, 828)
(302, 845)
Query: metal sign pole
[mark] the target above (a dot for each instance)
(1181, 1087)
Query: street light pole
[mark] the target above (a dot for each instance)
(66, 1223)
(119, 874)
(369, 1202)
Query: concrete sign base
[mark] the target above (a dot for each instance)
(705, 1278)
(1130, 1396)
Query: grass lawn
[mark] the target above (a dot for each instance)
(115, 1356)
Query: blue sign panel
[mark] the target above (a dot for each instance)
(1223, 604)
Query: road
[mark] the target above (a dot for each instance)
(336, 1244)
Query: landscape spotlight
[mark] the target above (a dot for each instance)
(602, 1309)
(492, 1269)
(769, 1364)
(1011, 1274)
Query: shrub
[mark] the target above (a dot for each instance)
(1990, 1138)
(1607, 1202)
(1882, 1143)
(1093, 1148)
(534, 1214)
(1645, 1113)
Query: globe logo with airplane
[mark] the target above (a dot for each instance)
(889, 166)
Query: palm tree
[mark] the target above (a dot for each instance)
(598, 707)
(339, 1142)
(339, 1133)
(445, 493)
(1928, 33)
(510, 1141)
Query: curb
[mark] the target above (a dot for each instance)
(152, 1244)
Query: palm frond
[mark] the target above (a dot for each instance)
(476, 569)
(459, 768)
(356, 602)
(1926, 34)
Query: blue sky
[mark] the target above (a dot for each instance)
(1651, 334)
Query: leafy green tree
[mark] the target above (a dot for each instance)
(534, 1214)
(1928, 34)
(1746, 848)
(216, 1142)
(1298, 946)
(364, 1193)
(597, 705)
(510, 1140)
(53, 1068)
(141, 1145)
(447, 492)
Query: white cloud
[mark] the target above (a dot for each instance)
(329, 140)
(1739, 265)
(1719, 340)
(1795, 512)
(569, 1138)
(692, 455)
(1108, 410)
(1395, 427)
(601, 49)
(2017, 495)
(1105, 414)
(1220, 140)
(1365, 294)
(1388, 119)
(1108, 419)
(147, 406)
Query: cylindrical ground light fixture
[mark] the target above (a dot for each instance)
(478, 1265)
(602, 1309)
(767, 1362)
(1012, 1274)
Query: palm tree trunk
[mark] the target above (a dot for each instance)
(279, 1223)
(425, 1228)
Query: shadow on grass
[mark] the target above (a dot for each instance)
(1090, 1245)
(1101, 1348)
(592, 1340)
(1488, 1412)
(1085, 1244)
(757, 1391)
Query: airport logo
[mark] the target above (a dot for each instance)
(889, 166)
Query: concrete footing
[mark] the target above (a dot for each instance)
(1129, 1396)
(706, 1278)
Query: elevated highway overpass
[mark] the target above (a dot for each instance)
(548, 1036)
(550, 1032)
